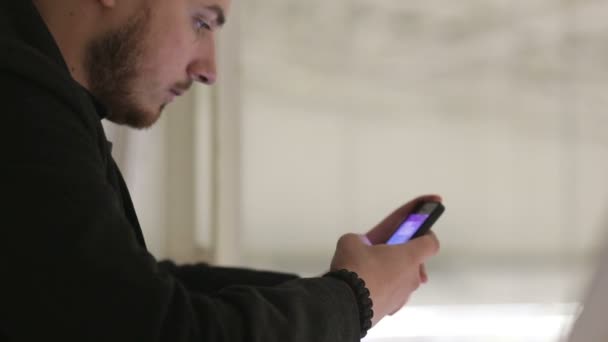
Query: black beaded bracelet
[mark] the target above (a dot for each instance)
(364, 302)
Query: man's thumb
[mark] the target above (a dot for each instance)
(424, 247)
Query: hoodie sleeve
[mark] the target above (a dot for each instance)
(204, 278)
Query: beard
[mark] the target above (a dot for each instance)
(111, 64)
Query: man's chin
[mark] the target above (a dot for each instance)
(136, 119)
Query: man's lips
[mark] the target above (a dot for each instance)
(176, 92)
(173, 93)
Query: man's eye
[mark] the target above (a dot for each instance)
(201, 24)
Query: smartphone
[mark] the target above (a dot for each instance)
(417, 223)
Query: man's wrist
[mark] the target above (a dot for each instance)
(362, 295)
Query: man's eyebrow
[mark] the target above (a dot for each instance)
(219, 12)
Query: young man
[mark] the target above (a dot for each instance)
(73, 257)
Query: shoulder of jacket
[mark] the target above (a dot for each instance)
(28, 75)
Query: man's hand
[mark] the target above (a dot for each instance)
(393, 272)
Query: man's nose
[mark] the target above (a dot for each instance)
(203, 70)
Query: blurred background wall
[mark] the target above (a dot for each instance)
(330, 114)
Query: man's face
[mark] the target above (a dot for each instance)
(137, 69)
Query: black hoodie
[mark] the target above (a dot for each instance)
(73, 261)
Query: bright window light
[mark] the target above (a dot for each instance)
(488, 323)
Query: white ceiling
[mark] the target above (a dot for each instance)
(331, 50)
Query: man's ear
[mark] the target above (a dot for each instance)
(108, 3)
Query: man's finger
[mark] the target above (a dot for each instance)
(424, 278)
(383, 231)
(424, 247)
